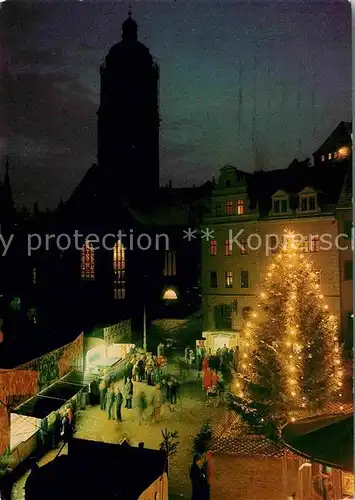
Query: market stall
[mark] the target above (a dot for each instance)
(39, 414)
(104, 356)
(323, 446)
(215, 340)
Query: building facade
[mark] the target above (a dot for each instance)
(255, 210)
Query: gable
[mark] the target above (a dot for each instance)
(280, 194)
(307, 191)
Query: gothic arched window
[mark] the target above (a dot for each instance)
(119, 269)
(87, 267)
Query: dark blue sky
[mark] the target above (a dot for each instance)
(293, 56)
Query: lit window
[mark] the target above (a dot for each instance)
(244, 250)
(228, 279)
(229, 207)
(343, 152)
(244, 279)
(34, 275)
(119, 270)
(170, 263)
(240, 207)
(87, 262)
(336, 155)
(322, 158)
(213, 247)
(169, 295)
(213, 279)
(314, 243)
(228, 248)
(330, 156)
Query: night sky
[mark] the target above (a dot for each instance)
(293, 56)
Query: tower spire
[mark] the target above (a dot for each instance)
(7, 202)
(130, 28)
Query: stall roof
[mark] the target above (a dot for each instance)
(79, 377)
(118, 472)
(50, 399)
(324, 439)
(62, 390)
(39, 407)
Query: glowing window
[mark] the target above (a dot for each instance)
(213, 247)
(330, 156)
(240, 207)
(170, 295)
(323, 158)
(343, 152)
(244, 249)
(170, 263)
(228, 279)
(314, 243)
(228, 248)
(119, 269)
(87, 262)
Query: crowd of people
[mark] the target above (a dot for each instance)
(213, 368)
(145, 368)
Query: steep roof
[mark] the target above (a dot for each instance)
(327, 182)
(341, 135)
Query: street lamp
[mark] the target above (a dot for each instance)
(145, 315)
(144, 329)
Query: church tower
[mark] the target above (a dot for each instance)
(128, 116)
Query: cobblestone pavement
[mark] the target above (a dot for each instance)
(238, 478)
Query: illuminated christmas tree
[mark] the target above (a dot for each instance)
(291, 358)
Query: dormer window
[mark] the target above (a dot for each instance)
(240, 207)
(312, 203)
(280, 206)
(308, 203)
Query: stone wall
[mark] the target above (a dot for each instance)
(121, 333)
(23, 382)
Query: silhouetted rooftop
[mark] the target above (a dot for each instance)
(96, 470)
(324, 439)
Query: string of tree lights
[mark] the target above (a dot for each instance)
(292, 356)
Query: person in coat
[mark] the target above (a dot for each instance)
(102, 391)
(110, 402)
(128, 371)
(128, 393)
(141, 370)
(173, 391)
(118, 405)
(199, 481)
